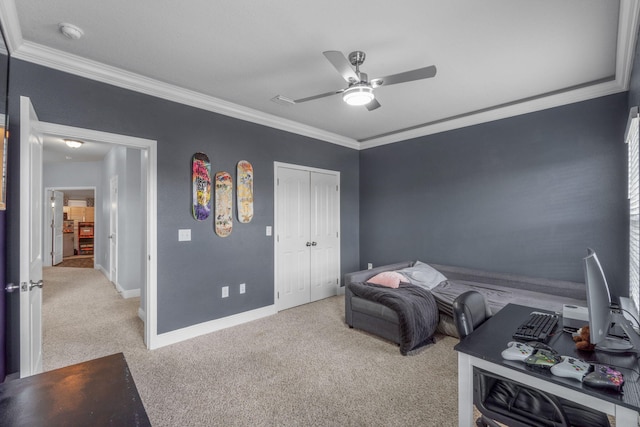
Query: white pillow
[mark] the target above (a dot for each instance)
(422, 274)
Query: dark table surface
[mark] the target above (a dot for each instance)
(99, 392)
(488, 341)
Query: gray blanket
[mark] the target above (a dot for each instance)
(498, 296)
(416, 309)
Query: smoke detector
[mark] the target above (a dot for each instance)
(71, 31)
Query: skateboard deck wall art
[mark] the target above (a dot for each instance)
(224, 204)
(244, 188)
(201, 186)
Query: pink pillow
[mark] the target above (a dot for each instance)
(390, 279)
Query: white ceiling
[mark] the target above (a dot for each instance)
(495, 58)
(56, 151)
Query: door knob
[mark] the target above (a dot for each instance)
(314, 244)
(308, 244)
(33, 284)
(11, 287)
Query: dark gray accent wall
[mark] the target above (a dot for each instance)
(524, 195)
(190, 274)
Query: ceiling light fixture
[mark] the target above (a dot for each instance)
(72, 143)
(358, 94)
(71, 31)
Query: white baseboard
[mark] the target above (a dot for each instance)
(189, 332)
(102, 270)
(141, 314)
(130, 293)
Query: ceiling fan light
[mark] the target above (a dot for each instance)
(73, 143)
(358, 95)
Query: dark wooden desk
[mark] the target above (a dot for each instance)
(99, 392)
(483, 349)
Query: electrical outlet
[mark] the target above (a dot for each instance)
(225, 291)
(243, 288)
(369, 266)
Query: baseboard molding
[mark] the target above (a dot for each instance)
(130, 293)
(141, 314)
(102, 270)
(204, 328)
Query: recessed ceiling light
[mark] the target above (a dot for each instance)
(72, 143)
(71, 31)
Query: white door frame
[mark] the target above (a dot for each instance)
(150, 153)
(277, 165)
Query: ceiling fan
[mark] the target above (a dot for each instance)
(360, 89)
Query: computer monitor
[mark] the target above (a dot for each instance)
(601, 313)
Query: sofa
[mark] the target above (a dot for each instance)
(499, 289)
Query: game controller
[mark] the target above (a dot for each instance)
(570, 367)
(517, 351)
(604, 377)
(542, 359)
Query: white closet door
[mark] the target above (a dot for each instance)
(292, 228)
(324, 235)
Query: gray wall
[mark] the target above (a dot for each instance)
(125, 163)
(524, 195)
(190, 274)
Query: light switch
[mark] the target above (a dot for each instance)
(268, 230)
(184, 235)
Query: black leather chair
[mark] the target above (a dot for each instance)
(502, 400)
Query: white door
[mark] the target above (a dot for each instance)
(31, 212)
(307, 235)
(325, 235)
(56, 226)
(113, 231)
(292, 238)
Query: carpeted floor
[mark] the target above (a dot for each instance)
(77, 262)
(301, 367)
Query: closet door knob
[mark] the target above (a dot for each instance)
(308, 244)
(314, 244)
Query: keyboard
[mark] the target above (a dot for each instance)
(538, 327)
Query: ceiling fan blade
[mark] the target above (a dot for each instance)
(342, 64)
(322, 95)
(407, 76)
(373, 105)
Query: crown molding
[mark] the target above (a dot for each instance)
(628, 21)
(627, 34)
(76, 65)
(10, 25)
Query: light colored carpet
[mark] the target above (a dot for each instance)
(301, 367)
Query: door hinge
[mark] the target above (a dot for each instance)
(277, 181)
(278, 294)
(337, 188)
(337, 281)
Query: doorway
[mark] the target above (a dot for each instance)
(70, 221)
(148, 156)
